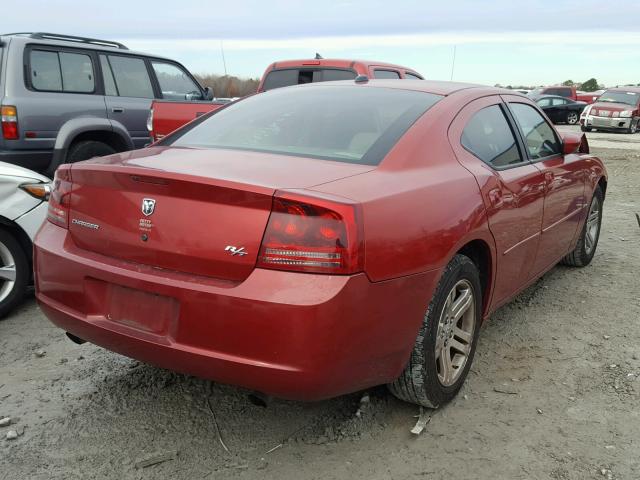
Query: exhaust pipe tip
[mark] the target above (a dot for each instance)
(259, 399)
(74, 339)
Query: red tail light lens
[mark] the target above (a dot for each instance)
(60, 198)
(320, 237)
(9, 122)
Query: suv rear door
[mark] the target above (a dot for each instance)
(64, 85)
(129, 91)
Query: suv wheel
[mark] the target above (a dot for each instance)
(87, 149)
(14, 272)
(447, 339)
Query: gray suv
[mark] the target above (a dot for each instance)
(66, 99)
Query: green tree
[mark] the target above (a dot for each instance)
(568, 83)
(590, 85)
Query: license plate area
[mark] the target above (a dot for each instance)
(145, 311)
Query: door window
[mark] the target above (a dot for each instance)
(174, 82)
(539, 138)
(411, 76)
(61, 71)
(544, 102)
(392, 74)
(489, 137)
(131, 77)
(558, 101)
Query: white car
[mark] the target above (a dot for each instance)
(23, 208)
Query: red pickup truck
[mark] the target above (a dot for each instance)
(166, 116)
(567, 92)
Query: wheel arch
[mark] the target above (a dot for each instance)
(20, 235)
(480, 253)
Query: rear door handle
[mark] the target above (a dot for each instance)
(117, 110)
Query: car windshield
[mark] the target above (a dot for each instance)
(630, 98)
(346, 123)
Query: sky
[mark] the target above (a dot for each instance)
(499, 41)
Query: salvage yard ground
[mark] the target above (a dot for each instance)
(554, 393)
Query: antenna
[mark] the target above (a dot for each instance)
(453, 62)
(224, 62)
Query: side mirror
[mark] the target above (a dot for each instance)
(208, 93)
(574, 143)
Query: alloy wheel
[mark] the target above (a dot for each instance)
(593, 226)
(455, 332)
(8, 272)
(572, 118)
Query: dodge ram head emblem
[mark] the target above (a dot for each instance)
(235, 250)
(148, 206)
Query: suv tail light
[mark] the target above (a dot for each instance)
(9, 122)
(312, 235)
(60, 197)
(150, 124)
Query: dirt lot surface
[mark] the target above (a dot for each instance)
(554, 393)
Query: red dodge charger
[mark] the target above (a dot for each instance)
(320, 239)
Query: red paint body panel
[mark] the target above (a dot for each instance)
(170, 115)
(301, 335)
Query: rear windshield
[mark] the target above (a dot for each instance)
(344, 123)
(297, 76)
(630, 98)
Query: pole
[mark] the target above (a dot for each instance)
(453, 62)
(224, 62)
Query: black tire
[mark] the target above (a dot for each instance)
(87, 149)
(419, 382)
(582, 255)
(17, 291)
(572, 117)
(585, 129)
(633, 126)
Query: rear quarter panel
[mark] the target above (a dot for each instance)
(420, 205)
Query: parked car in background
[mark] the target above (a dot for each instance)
(560, 109)
(317, 240)
(589, 97)
(23, 208)
(165, 117)
(66, 98)
(617, 109)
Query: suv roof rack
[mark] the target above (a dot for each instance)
(72, 38)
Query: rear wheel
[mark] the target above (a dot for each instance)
(14, 272)
(572, 118)
(86, 149)
(633, 126)
(446, 342)
(582, 255)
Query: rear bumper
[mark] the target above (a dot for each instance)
(605, 123)
(292, 335)
(37, 160)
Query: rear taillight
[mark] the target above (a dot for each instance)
(9, 122)
(60, 198)
(312, 235)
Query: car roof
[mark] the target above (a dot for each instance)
(428, 86)
(623, 89)
(333, 62)
(71, 41)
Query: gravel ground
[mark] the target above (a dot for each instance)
(554, 393)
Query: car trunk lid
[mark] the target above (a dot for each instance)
(201, 212)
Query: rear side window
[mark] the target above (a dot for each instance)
(61, 71)
(341, 123)
(539, 138)
(298, 76)
(489, 137)
(544, 102)
(174, 82)
(131, 77)
(411, 76)
(391, 74)
(558, 101)
(107, 75)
